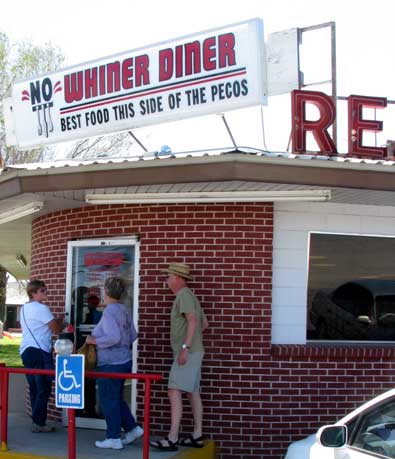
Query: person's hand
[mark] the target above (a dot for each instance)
(60, 320)
(183, 357)
(90, 339)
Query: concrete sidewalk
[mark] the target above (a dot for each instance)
(23, 444)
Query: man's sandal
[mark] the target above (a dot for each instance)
(159, 444)
(192, 442)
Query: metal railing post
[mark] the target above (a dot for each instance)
(71, 437)
(4, 409)
(1, 383)
(4, 383)
(147, 400)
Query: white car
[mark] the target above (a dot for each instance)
(367, 432)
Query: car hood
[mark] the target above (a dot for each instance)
(300, 449)
(308, 448)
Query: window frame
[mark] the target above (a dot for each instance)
(310, 234)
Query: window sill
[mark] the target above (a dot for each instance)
(317, 351)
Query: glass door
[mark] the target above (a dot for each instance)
(89, 263)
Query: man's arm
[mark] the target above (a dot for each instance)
(191, 329)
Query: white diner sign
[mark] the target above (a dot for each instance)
(210, 72)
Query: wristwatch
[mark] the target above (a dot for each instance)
(184, 346)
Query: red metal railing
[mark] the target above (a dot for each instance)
(71, 442)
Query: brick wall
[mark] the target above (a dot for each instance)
(257, 397)
(317, 385)
(229, 247)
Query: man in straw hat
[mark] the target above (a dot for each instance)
(188, 321)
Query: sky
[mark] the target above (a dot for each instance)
(86, 30)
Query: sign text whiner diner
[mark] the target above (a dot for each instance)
(211, 72)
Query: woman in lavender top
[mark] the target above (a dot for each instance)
(113, 337)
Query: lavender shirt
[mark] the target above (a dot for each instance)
(114, 334)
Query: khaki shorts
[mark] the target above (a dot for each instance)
(186, 377)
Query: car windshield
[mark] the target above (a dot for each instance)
(374, 431)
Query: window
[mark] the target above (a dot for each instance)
(351, 288)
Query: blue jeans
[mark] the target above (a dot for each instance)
(39, 385)
(115, 410)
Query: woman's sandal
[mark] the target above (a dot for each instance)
(192, 442)
(171, 445)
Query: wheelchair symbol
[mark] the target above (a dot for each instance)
(66, 379)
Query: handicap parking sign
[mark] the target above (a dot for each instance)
(69, 383)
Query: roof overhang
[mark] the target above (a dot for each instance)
(225, 167)
(61, 186)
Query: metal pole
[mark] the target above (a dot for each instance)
(229, 131)
(137, 141)
(333, 80)
(1, 382)
(147, 400)
(71, 437)
(334, 77)
(4, 409)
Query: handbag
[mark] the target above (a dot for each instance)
(89, 351)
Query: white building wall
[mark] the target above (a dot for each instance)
(292, 224)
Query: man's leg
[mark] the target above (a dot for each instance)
(175, 397)
(197, 412)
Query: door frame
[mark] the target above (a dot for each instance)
(92, 423)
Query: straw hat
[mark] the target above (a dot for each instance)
(179, 269)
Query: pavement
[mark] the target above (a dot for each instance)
(54, 445)
(23, 444)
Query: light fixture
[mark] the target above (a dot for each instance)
(210, 196)
(20, 211)
(21, 260)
